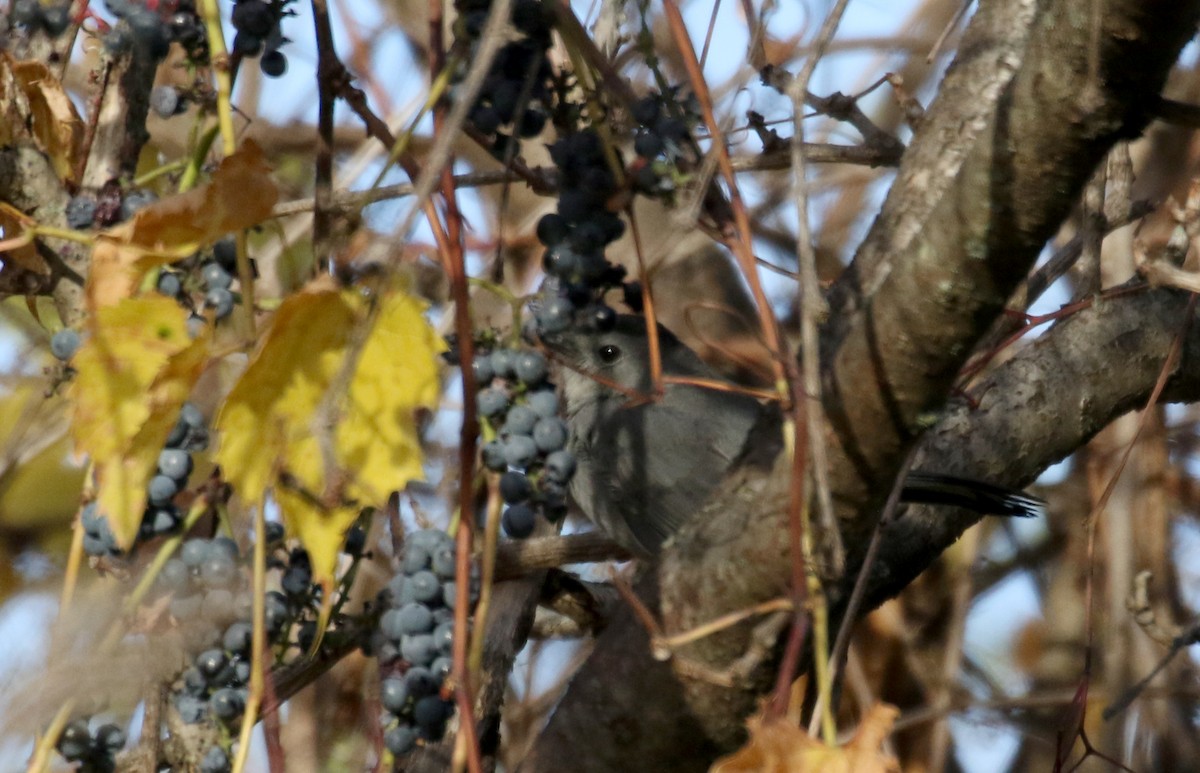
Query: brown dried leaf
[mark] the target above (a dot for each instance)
(13, 224)
(14, 107)
(57, 128)
(241, 194)
(781, 747)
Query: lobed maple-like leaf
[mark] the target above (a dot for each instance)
(135, 369)
(326, 434)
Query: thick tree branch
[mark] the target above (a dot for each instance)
(1025, 113)
(1039, 407)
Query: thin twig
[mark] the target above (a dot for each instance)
(328, 69)
(808, 410)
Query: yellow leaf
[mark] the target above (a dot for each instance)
(241, 194)
(270, 424)
(397, 375)
(779, 746)
(56, 125)
(39, 483)
(134, 372)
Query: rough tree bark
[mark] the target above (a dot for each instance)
(1035, 99)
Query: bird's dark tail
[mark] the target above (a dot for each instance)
(931, 488)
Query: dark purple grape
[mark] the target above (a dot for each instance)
(401, 739)
(532, 123)
(273, 63)
(442, 667)
(562, 261)
(430, 713)
(443, 563)
(600, 317)
(75, 741)
(552, 229)
(211, 662)
(135, 200)
(356, 541)
(225, 253)
(109, 739)
(237, 638)
(276, 608)
(544, 402)
(64, 343)
(520, 450)
(215, 761)
(481, 368)
(418, 649)
(297, 580)
(161, 490)
(393, 694)
(503, 362)
(420, 681)
(515, 487)
(443, 638)
(485, 118)
(492, 455)
(215, 276)
(169, 284)
(491, 403)
(646, 110)
(164, 101)
(81, 211)
(531, 368)
(226, 704)
(520, 420)
(648, 145)
(175, 463)
(219, 299)
(425, 586)
(560, 466)
(518, 521)
(416, 557)
(253, 17)
(555, 315)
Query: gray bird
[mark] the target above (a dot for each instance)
(645, 467)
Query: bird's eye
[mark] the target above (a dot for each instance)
(609, 353)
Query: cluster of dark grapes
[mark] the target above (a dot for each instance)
(93, 748)
(108, 206)
(212, 604)
(517, 91)
(661, 139)
(162, 516)
(529, 450)
(258, 32)
(578, 274)
(52, 18)
(216, 274)
(152, 26)
(414, 641)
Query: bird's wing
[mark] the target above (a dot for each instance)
(677, 473)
